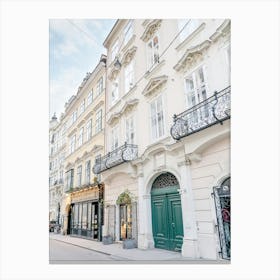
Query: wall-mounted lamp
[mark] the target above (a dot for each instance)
(117, 64)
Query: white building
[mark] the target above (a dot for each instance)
(162, 173)
(57, 145)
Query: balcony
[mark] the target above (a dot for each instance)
(125, 153)
(211, 111)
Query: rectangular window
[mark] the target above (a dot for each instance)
(80, 214)
(82, 107)
(129, 76)
(90, 97)
(74, 116)
(84, 220)
(72, 144)
(130, 133)
(79, 176)
(157, 120)
(69, 178)
(153, 51)
(99, 88)
(228, 62)
(98, 124)
(187, 26)
(115, 91)
(114, 138)
(80, 137)
(114, 50)
(87, 172)
(89, 130)
(128, 32)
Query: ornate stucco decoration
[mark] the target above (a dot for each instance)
(222, 30)
(128, 105)
(114, 70)
(98, 105)
(154, 85)
(192, 55)
(151, 29)
(69, 165)
(128, 56)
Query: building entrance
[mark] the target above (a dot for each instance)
(167, 213)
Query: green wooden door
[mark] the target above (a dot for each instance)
(167, 220)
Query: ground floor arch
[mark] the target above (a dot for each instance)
(167, 221)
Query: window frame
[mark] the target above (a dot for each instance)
(128, 31)
(98, 121)
(79, 175)
(129, 75)
(114, 50)
(149, 65)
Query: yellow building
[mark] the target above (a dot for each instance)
(84, 113)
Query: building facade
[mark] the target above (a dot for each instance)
(84, 113)
(57, 145)
(166, 168)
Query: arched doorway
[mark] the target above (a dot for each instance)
(222, 203)
(167, 213)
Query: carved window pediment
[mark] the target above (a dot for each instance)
(192, 55)
(114, 72)
(222, 30)
(151, 29)
(154, 85)
(126, 107)
(128, 56)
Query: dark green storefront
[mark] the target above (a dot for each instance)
(167, 213)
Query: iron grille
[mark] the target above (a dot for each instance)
(213, 110)
(126, 152)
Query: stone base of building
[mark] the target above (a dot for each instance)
(190, 249)
(145, 241)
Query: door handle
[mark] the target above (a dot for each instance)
(173, 224)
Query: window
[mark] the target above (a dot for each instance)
(228, 61)
(128, 32)
(79, 176)
(115, 91)
(157, 120)
(98, 125)
(99, 86)
(114, 50)
(69, 178)
(87, 172)
(129, 76)
(61, 176)
(74, 116)
(90, 97)
(88, 130)
(114, 138)
(153, 51)
(188, 25)
(82, 107)
(130, 133)
(80, 137)
(72, 144)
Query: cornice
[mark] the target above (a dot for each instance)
(128, 105)
(154, 85)
(151, 29)
(192, 55)
(98, 105)
(222, 30)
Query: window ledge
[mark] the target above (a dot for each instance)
(129, 92)
(115, 104)
(129, 43)
(191, 36)
(154, 69)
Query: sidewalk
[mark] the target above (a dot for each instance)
(117, 252)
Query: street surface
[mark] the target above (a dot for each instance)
(61, 251)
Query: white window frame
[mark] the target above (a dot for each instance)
(189, 28)
(99, 87)
(151, 53)
(74, 116)
(115, 143)
(79, 175)
(129, 76)
(89, 130)
(128, 32)
(114, 50)
(72, 144)
(80, 137)
(98, 121)
(130, 129)
(82, 107)
(87, 172)
(90, 98)
(115, 91)
(155, 136)
(227, 52)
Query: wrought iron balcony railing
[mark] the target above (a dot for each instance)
(126, 152)
(213, 110)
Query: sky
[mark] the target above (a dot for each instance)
(75, 47)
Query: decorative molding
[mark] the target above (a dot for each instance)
(128, 105)
(128, 56)
(192, 55)
(154, 85)
(130, 41)
(222, 30)
(151, 29)
(154, 69)
(114, 70)
(69, 165)
(145, 22)
(98, 105)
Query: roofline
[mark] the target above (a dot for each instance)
(111, 32)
